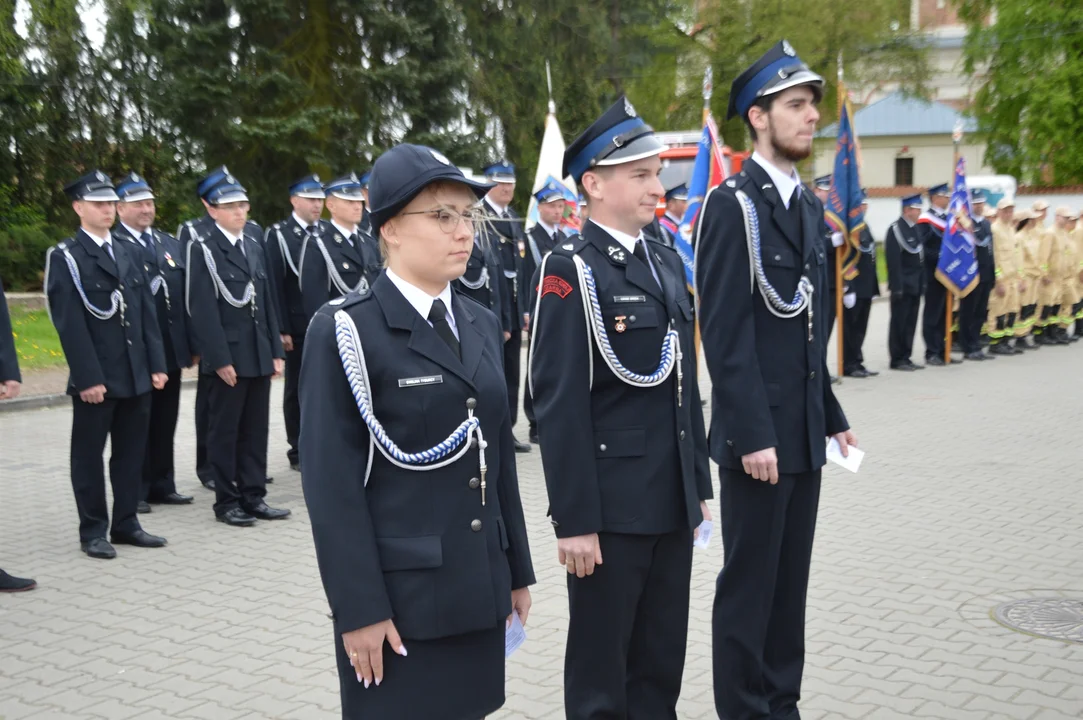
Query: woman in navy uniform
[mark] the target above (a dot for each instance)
(760, 272)
(621, 428)
(342, 257)
(408, 463)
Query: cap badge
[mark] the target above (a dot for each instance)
(788, 49)
(99, 176)
(440, 158)
(629, 109)
(568, 246)
(315, 178)
(136, 178)
(731, 183)
(230, 180)
(336, 301)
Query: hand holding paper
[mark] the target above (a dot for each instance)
(851, 461)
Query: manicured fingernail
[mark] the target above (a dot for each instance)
(359, 678)
(402, 650)
(366, 683)
(378, 682)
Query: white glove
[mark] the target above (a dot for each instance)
(849, 300)
(836, 239)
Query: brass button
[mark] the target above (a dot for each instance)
(602, 447)
(474, 483)
(475, 525)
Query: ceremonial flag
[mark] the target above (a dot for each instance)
(708, 172)
(957, 268)
(843, 212)
(550, 161)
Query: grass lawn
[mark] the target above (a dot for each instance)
(36, 340)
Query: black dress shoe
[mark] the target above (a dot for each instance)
(269, 480)
(139, 538)
(236, 517)
(173, 498)
(263, 512)
(295, 466)
(533, 437)
(871, 373)
(904, 367)
(12, 584)
(856, 373)
(977, 356)
(520, 446)
(208, 482)
(142, 507)
(835, 379)
(935, 361)
(916, 366)
(98, 548)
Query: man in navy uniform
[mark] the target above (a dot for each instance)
(906, 282)
(283, 243)
(862, 289)
(621, 427)
(541, 239)
(506, 235)
(10, 385)
(676, 204)
(342, 258)
(163, 261)
(974, 308)
(931, 226)
(773, 404)
(235, 325)
(101, 304)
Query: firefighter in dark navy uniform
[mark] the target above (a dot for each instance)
(676, 204)
(857, 305)
(343, 258)
(409, 463)
(235, 325)
(761, 265)
(621, 428)
(283, 243)
(101, 304)
(931, 226)
(906, 283)
(163, 260)
(540, 241)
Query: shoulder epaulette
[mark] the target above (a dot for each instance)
(570, 246)
(351, 298)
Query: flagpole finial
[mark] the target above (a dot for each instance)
(840, 67)
(708, 84)
(549, 85)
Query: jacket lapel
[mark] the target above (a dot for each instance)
(471, 341)
(231, 254)
(811, 224)
(635, 271)
(401, 315)
(100, 254)
(780, 216)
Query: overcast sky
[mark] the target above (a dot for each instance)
(91, 12)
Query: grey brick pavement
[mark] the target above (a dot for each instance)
(971, 495)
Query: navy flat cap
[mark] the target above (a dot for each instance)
(93, 187)
(778, 69)
(133, 188)
(618, 136)
(308, 187)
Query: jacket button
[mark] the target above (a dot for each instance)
(471, 403)
(812, 375)
(631, 318)
(730, 443)
(682, 435)
(602, 447)
(474, 483)
(778, 257)
(129, 342)
(475, 525)
(121, 287)
(806, 266)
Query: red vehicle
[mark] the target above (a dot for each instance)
(680, 156)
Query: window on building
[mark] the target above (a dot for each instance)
(904, 171)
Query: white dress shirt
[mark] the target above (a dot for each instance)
(628, 242)
(422, 301)
(135, 233)
(106, 242)
(348, 234)
(785, 184)
(305, 226)
(233, 239)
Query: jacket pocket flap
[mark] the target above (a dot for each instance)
(624, 442)
(411, 553)
(504, 542)
(779, 257)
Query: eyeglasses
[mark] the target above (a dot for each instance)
(448, 220)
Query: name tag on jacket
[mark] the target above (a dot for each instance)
(419, 381)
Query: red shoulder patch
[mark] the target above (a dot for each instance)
(554, 284)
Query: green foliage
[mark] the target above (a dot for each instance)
(22, 253)
(1029, 105)
(36, 342)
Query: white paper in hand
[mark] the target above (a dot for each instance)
(704, 537)
(853, 460)
(514, 636)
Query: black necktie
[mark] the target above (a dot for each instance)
(640, 251)
(109, 249)
(438, 318)
(148, 247)
(353, 240)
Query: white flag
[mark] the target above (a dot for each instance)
(550, 161)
